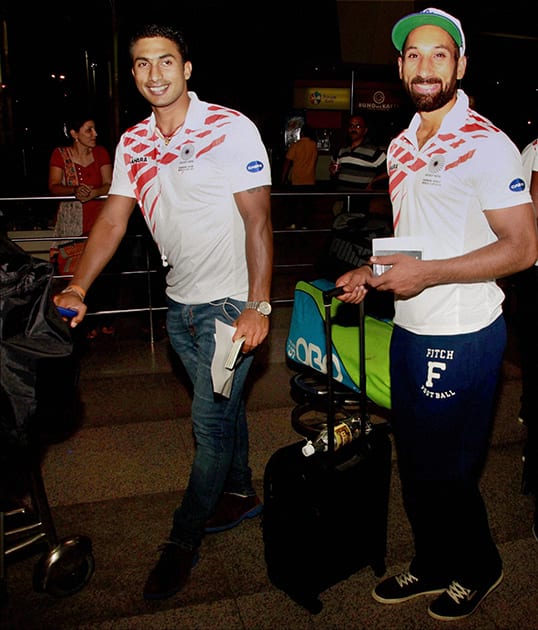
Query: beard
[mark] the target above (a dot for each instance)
(431, 102)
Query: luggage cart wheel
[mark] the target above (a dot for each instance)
(66, 568)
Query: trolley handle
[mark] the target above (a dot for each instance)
(328, 295)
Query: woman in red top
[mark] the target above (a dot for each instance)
(87, 162)
(83, 169)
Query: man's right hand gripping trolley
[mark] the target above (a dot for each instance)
(326, 499)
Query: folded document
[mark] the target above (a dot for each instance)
(225, 358)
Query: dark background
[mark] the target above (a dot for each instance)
(245, 55)
(245, 58)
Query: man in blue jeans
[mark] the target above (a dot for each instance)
(459, 198)
(201, 176)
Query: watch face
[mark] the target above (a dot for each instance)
(264, 308)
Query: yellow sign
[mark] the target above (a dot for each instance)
(321, 98)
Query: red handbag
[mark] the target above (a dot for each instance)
(67, 258)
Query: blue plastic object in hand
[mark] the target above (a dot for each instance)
(67, 312)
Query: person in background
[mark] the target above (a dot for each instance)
(457, 188)
(201, 176)
(358, 165)
(299, 169)
(83, 169)
(526, 287)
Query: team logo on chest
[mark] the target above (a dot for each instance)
(436, 164)
(434, 169)
(186, 155)
(187, 152)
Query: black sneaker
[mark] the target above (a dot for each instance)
(458, 601)
(399, 588)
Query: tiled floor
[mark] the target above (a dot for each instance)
(119, 477)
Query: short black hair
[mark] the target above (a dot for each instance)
(357, 114)
(76, 120)
(161, 30)
(307, 131)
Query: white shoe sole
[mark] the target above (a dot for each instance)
(456, 617)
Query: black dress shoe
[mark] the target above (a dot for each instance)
(171, 572)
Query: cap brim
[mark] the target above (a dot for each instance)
(402, 28)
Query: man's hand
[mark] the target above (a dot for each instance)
(253, 326)
(406, 277)
(71, 300)
(355, 284)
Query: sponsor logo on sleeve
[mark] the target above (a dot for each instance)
(517, 185)
(255, 166)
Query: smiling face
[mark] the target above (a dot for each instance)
(159, 71)
(430, 68)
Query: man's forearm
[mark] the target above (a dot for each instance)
(259, 250)
(101, 245)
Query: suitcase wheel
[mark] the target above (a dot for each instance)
(66, 568)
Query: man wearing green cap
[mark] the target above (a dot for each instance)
(458, 191)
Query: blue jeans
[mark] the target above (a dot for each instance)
(219, 424)
(443, 390)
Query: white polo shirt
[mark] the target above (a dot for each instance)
(185, 191)
(439, 195)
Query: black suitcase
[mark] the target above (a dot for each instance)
(325, 516)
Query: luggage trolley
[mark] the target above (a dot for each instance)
(38, 402)
(68, 563)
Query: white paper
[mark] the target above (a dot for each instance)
(398, 244)
(222, 377)
(410, 245)
(234, 353)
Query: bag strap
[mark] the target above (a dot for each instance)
(71, 177)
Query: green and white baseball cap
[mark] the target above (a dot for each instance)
(434, 17)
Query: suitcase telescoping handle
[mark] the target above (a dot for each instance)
(363, 401)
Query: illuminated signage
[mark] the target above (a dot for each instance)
(321, 98)
(378, 97)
